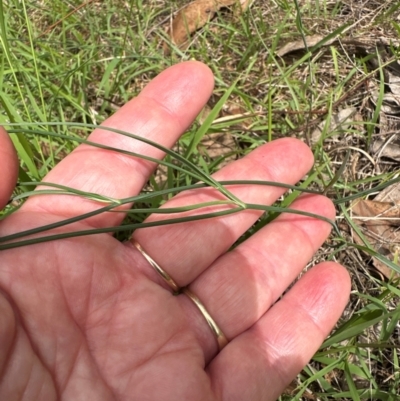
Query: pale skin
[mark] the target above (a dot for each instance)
(89, 319)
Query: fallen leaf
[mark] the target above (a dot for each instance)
(194, 16)
(382, 58)
(300, 45)
(390, 104)
(376, 213)
(379, 221)
(389, 148)
(394, 83)
(389, 194)
(338, 121)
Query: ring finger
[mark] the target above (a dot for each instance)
(243, 284)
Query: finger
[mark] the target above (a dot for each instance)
(271, 353)
(8, 167)
(7, 331)
(186, 250)
(243, 284)
(161, 113)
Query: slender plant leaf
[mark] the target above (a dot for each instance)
(208, 121)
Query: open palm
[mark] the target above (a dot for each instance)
(88, 318)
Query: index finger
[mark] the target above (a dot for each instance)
(161, 113)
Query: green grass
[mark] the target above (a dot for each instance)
(60, 76)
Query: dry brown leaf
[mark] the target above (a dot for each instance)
(389, 148)
(394, 83)
(390, 194)
(375, 212)
(379, 222)
(299, 44)
(194, 16)
(390, 104)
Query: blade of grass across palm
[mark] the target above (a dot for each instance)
(62, 190)
(148, 195)
(105, 147)
(119, 202)
(297, 190)
(278, 209)
(200, 174)
(127, 227)
(135, 226)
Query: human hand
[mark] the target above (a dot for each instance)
(88, 318)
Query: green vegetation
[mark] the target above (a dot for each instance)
(66, 66)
